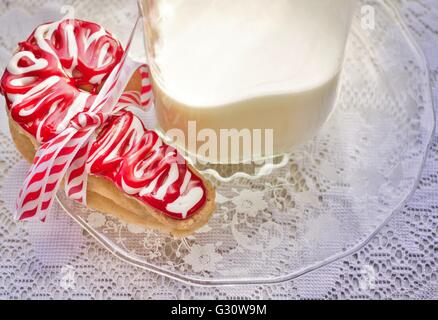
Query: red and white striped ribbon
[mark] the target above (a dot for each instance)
(143, 98)
(65, 156)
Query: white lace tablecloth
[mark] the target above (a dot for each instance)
(59, 260)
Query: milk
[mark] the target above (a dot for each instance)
(254, 64)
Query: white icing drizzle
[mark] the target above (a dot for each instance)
(185, 184)
(42, 34)
(21, 82)
(185, 202)
(172, 176)
(35, 91)
(72, 48)
(129, 190)
(89, 39)
(133, 132)
(151, 187)
(38, 64)
(142, 166)
(52, 109)
(101, 60)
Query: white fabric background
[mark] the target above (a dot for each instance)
(59, 260)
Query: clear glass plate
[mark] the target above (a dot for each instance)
(331, 197)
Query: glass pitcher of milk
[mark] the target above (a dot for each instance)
(260, 73)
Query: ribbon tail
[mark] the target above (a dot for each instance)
(47, 173)
(31, 202)
(76, 178)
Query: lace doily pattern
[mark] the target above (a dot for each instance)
(399, 262)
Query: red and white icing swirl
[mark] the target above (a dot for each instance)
(44, 85)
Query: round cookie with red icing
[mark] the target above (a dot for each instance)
(44, 81)
(55, 75)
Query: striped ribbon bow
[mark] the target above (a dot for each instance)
(65, 156)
